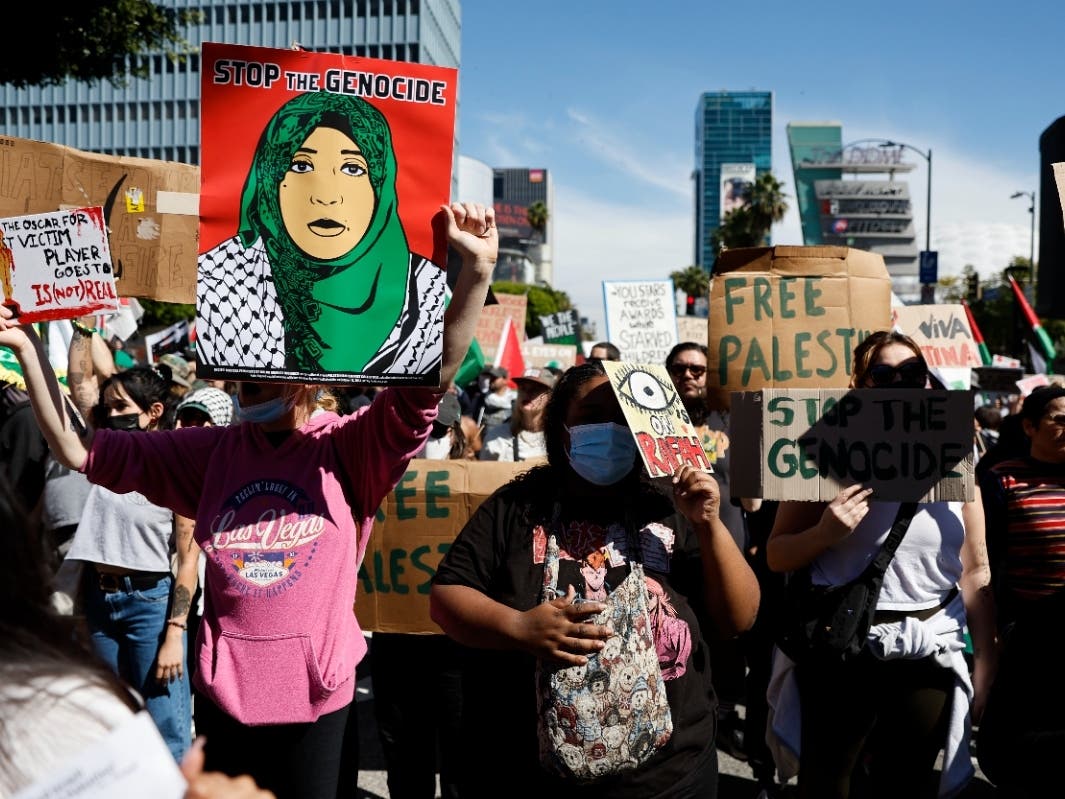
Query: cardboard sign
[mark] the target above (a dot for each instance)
(321, 175)
(664, 432)
(997, 379)
(56, 265)
(792, 316)
(540, 355)
(1030, 383)
(802, 444)
(941, 331)
(641, 318)
(153, 241)
(692, 328)
(561, 327)
(414, 529)
(493, 317)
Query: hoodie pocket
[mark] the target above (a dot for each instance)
(267, 679)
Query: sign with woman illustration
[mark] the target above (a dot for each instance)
(320, 176)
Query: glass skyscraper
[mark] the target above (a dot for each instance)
(158, 116)
(734, 130)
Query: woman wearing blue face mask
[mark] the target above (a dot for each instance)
(602, 517)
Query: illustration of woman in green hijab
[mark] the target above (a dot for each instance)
(319, 277)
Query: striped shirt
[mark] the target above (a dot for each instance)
(1024, 501)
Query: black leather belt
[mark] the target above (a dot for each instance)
(138, 581)
(891, 616)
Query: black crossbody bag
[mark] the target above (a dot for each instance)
(830, 623)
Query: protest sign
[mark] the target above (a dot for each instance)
(414, 529)
(692, 328)
(664, 432)
(149, 209)
(540, 355)
(792, 316)
(490, 323)
(56, 265)
(997, 379)
(641, 318)
(1059, 179)
(561, 327)
(805, 444)
(321, 174)
(941, 331)
(130, 760)
(1030, 383)
(173, 339)
(1005, 361)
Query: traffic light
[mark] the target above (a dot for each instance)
(972, 288)
(690, 305)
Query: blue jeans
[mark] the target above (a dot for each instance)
(127, 629)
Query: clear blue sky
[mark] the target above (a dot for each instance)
(603, 94)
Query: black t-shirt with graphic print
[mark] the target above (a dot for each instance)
(500, 552)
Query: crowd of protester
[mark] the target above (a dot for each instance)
(127, 479)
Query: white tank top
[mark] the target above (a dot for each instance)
(926, 565)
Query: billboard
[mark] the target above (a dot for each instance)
(736, 181)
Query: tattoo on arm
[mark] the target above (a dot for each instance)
(182, 602)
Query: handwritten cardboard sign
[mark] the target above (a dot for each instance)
(540, 355)
(414, 529)
(561, 327)
(692, 328)
(490, 323)
(641, 318)
(941, 331)
(57, 265)
(664, 432)
(804, 444)
(792, 316)
(149, 208)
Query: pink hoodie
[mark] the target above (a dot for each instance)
(284, 530)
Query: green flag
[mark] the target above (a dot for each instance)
(471, 365)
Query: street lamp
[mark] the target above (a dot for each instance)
(927, 156)
(1031, 241)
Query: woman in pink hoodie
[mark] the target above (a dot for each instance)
(284, 504)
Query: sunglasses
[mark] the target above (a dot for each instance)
(912, 374)
(679, 369)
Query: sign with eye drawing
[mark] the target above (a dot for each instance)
(664, 432)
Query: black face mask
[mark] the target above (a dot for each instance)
(125, 421)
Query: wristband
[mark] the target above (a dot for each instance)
(80, 328)
(176, 623)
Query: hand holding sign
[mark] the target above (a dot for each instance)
(697, 495)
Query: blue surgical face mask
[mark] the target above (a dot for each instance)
(266, 412)
(603, 454)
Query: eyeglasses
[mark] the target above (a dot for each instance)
(1058, 419)
(678, 369)
(912, 374)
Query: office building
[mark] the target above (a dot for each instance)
(524, 251)
(158, 116)
(844, 200)
(733, 145)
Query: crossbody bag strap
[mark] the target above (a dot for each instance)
(907, 510)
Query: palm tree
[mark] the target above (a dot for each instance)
(537, 217)
(749, 225)
(692, 280)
